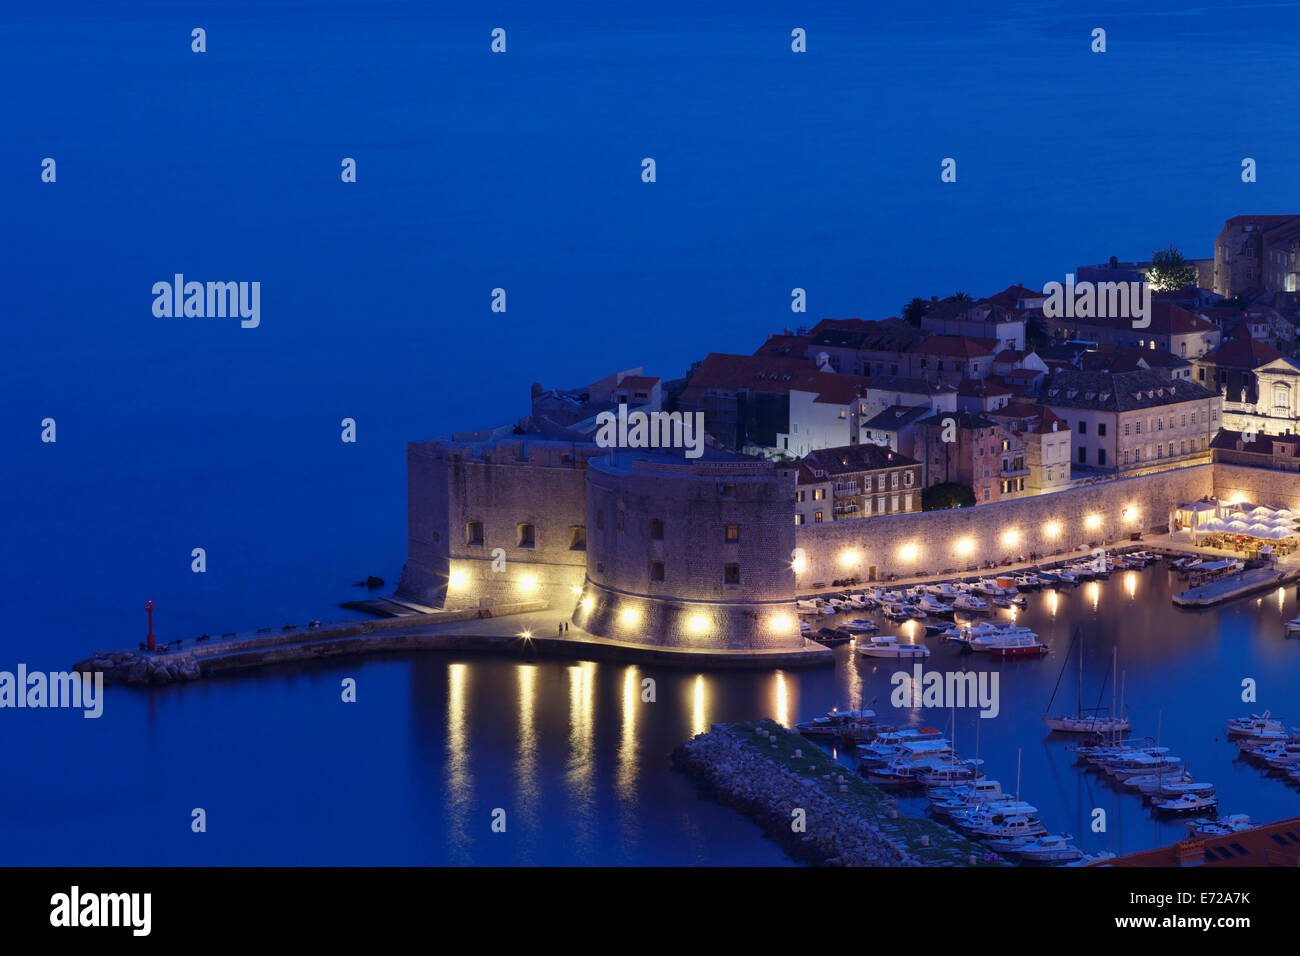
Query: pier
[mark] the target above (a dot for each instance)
(768, 772)
(527, 629)
(1233, 586)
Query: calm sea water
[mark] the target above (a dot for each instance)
(519, 171)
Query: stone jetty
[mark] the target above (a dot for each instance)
(770, 773)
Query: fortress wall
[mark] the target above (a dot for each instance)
(502, 484)
(1260, 486)
(963, 538)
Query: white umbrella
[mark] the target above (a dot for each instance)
(1236, 525)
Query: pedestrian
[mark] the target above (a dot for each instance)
(559, 629)
(566, 627)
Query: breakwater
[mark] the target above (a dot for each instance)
(770, 774)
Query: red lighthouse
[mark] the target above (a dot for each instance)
(148, 606)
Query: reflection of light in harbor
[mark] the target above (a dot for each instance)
(909, 630)
(1053, 602)
(627, 762)
(1130, 583)
(1281, 599)
(782, 715)
(581, 719)
(459, 782)
(526, 764)
(698, 724)
(1094, 594)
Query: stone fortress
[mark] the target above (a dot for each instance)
(645, 547)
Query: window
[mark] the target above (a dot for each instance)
(1160, 424)
(1083, 427)
(1184, 419)
(908, 479)
(799, 495)
(527, 535)
(798, 518)
(1083, 456)
(1160, 451)
(893, 480)
(578, 537)
(727, 491)
(893, 503)
(1126, 456)
(819, 494)
(474, 532)
(1137, 428)
(817, 518)
(656, 570)
(1101, 429)
(1101, 456)
(731, 574)
(732, 533)
(656, 529)
(843, 413)
(907, 502)
(1126, 428)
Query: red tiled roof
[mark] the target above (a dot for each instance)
(1273, 844)
(1241, 351)
(957, 345)
(758, 373)
(638, 381)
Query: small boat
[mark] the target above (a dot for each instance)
(1002, 827)
(1028, 582)
(1046, 578)
(859, 627)
(1188, 803)
(950, 774)
(833, 723)
(1156, 783)
(971, 604)
(1258, 727)
(1292, 627)
(1049, 848)
(1223, 826)
(1178, 788)
(1067, 576)
(1009, 645)
(888, 645)
(830, 636)
(932, 605)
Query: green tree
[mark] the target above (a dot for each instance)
(1170, 271)
(914, 310)
(950, 494)
(962, 297)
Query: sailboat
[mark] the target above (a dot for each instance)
(1081, 723)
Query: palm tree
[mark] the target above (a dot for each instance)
(914, 310)
(962, 297)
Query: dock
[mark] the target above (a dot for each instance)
(1233, 586)
(527, 630)
(768, 773)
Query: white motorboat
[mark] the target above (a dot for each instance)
(855, 627)
(1001, 827)
(1156, 782)
(1292, 627)
(932, 605)
(1223, 826)
(971, 604)
(888, 645)
(1049, 848)
(1187, 803)
(1028, 582)
(1009, 645)
(1258, 727)
(950, 774)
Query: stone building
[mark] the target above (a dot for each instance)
(812, 498)
(1172, 329)
(1272, 405)
(1255, 254)
(1129, 421)
(689, 554)
(1047, 445)
(868, 479)
(972, 450)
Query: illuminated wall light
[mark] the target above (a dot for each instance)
(1092, 522)
(526, 635)
(781, 623)
(457, 579)
(528, 583)
(1011, 538)
(577, 591)
(1052, 529)
(630, 616)
(909, 552)
(698, 624)
(965, 546)
(588, 604)
(850, 557)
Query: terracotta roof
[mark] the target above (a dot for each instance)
(956, 345)
(854, 458)
(1119, 391)
(638, 381)
(835, 389)
(793, 346)
(897, 416)
(1262, 445)
(805, 475)
(1012, 295)
(1243, 352)
(973, 387)
(1273, 844)
(730, 373)
(885, 335)
(1039, 418)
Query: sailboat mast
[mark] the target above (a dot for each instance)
(1078, 701)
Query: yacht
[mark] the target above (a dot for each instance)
(888, 645)
(1188, 803)
(1050, 848)
(833, 723)
(1028, 582)
(1001, 827)
(1292, 627)
(1258, 727)
(860, 627)
(971, 604)
(1009, 645)
(1223, 826)
(949, 774)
